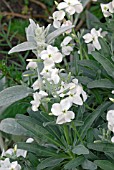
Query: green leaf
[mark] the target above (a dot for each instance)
(10, 126)
(90, 64)
(105, 62)
(104, 164)
(84, 80)
(101, 147)
(19, 107)
(80, 150)
(91, 118)
(103, 83)
(37, 129)
(74, 163)
(92, 20)
(105, 50)
(13, 94)
(89, 165)
(49, 162)
(40, 151)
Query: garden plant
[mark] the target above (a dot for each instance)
(67, 91)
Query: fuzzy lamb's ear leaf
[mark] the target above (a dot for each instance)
(10, 126)
(23, 47)
(13, 94)
(56, 33)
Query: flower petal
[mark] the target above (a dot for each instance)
(62, 5)
(69, 116)
(56, 109)
(65, 104)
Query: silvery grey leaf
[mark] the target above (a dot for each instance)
(13, 94)
(10, 126)
(23, 47)
(56, 33)
(30, 31)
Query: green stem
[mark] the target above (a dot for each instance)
(76, 133)
(66, 134)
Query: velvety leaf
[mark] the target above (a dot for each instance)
(13, 94)
(10, 126)
(57, 32)
(23, 47)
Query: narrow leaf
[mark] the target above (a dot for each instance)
(49, 162)
(105, 62)
(103, 83)
(91, 118)
(104, 164)
(23, 47)
(56, 33)
(101, 147)
(75, 162)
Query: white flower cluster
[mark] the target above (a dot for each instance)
(7, 165)
(72, 93)
(68, 7)
(108, 9)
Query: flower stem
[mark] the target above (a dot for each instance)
(66, 134)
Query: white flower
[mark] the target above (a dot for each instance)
(71, 6)
(74, 91)
(92, 39)
(17, 152)
(108, 9)
(51, 56)
(61, 110)
(36, 85)
(6, 165)
(66, 49)
(51, 74)
(112, 139)
(110, 117)
(66, 24)
(58, 16)
(32, 65)
(37, 99)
